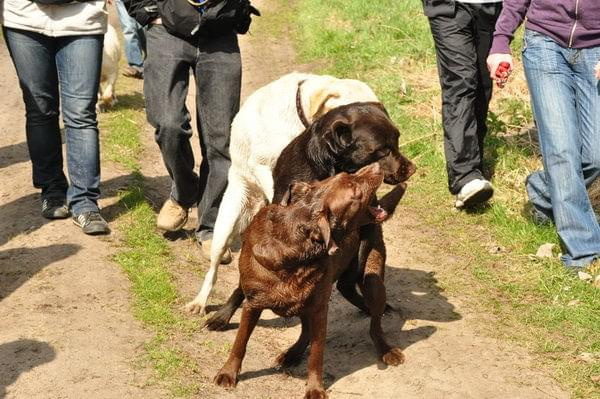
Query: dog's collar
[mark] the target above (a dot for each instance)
(299, 108)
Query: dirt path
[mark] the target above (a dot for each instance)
(447, 356)
(67, 330)
(66, 327)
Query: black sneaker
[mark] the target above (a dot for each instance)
(91, 223)
(55, 208)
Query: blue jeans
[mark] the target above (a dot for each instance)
(135, 42)
(69, 67)
(566, 103)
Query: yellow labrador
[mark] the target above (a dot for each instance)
(269, 119)
(110, 70)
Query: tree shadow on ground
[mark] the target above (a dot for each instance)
(416, 296)
(131, 101)
(20, 264)
(24, 214)
(14, 153)
(18, 357)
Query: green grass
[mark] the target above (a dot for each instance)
(144, 255)
(144, 259)
(388, 44)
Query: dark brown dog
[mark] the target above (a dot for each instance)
(344, 139)
(291, 256)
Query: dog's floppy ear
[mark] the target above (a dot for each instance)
(295, 191)
(339, 134)
(381, 107)
(318, 99)
(323, 223)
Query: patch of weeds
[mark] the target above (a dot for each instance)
(145, 255)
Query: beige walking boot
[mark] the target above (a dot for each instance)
(172, 216)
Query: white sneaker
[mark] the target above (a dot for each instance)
(473, 193)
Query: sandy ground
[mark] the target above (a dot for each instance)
(67, 330)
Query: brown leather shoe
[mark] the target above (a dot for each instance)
(172, 216)
(205, 249)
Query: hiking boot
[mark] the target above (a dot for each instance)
(133, 72)
(205, 250)
(91, 223)
(172, 216)
(473, 193)
(55, 208)
(538, 217)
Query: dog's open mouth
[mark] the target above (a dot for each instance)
(378, 213)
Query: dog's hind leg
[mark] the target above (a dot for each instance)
(293, 355)
(220, 319)
(352, 277)
(375, 297)
(346, 285)
(231, 212)
(234, 201)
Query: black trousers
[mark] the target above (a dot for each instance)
(462, 39)
(216, 65)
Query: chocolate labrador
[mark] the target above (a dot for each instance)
(292, 254)
(345, 138)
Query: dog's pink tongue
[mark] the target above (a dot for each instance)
(378, 213)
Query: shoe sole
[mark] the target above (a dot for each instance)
(93, 230)
(176, 228)
(55, 216)
(478, 197)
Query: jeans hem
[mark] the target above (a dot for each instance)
(203, 235)
(582, 262)
(76, 211)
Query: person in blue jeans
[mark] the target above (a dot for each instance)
(135, 43)
(57, 53)
(561, 56)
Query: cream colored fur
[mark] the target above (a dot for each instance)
(265, 124)
(110, 69)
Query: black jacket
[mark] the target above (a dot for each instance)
(182, 19)
(142, 11)
(439, 8)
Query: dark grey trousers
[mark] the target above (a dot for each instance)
(216, 65)
(462, 41)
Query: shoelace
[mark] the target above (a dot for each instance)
(89, 217)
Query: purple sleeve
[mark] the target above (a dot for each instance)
(513, 13)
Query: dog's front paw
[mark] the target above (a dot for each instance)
(226, 379)
(315, 393)
(394, 357)
(195, 308)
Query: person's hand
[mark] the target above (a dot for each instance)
(597, 70)
(494, 61)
